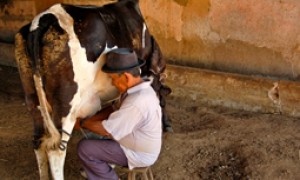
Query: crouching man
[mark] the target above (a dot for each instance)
(134, 128)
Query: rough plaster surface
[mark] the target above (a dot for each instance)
(241, 36)
(13, 16)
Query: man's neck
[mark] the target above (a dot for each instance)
(134, 81)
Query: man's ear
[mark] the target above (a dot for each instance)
(127, 75)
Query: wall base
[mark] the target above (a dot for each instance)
(250, 93)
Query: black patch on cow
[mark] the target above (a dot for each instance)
(123, 23)
(24, 31)
(115, 24)
(89, 29)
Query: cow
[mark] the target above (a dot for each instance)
(59, 57)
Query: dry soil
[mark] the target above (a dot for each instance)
(207, 143)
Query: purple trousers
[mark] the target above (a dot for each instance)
(95, 156)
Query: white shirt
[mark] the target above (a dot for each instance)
(137, 125)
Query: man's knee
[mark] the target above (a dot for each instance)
(83, 148)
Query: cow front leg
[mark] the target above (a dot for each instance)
(165, 121)
(163, 92)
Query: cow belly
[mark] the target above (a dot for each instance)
(89, 106)
(91, 96)
(93, 100)
(91, 103)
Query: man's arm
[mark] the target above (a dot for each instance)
(94, 123)
(96, 127)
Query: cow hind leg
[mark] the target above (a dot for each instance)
(57, 156)
(42, 160)
(56, 160)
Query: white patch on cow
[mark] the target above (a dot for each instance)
(149, 78)
(144, 35)
(87, 100)
(42, 160)
(57, 161)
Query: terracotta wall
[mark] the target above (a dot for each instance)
(251, 37)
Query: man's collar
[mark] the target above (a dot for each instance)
(138, 87)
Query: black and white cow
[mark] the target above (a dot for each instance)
(60, 55)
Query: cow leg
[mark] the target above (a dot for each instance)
(40, 150)
(42, 160)
(26, 76)
(165, 120)
(57, 160)
(57, 156)
(38, 140)
(162, 92)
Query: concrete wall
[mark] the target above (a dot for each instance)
(240, 36)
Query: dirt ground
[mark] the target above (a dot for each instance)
(207, 143)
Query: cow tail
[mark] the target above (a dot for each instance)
(34, 49)
(35, 37)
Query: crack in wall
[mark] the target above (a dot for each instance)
(274, 95)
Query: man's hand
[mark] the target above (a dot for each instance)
(96, 127)
(94, 123)
(77, 124)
